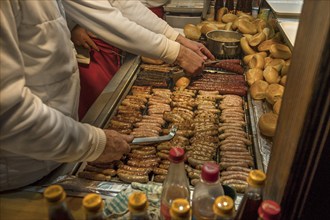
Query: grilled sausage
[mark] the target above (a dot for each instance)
(160, 171)
(159, 178)
(224, 165)
(238, 168)
(129, 178)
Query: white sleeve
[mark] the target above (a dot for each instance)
(109, 24)
(136, 11)
(28, 126)
(153, 3)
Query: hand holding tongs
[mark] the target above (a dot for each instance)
(146, 140)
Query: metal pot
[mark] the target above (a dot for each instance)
(224, 43)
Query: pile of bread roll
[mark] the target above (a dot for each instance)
(242, 22)
(268, 60)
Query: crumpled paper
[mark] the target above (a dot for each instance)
(117, 207)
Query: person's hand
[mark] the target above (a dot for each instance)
(82, 37)
(117, 145)
(190, 61)
(198, 48)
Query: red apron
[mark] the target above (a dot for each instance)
(102, 67)
(97, 74)
(159, 11)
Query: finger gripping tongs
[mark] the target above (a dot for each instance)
(150, 140)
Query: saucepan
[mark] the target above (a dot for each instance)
(223, 43)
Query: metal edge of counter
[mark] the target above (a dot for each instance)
(255, 134)
(103, 107)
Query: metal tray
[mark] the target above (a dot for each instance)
(262, 144)
(121, 87)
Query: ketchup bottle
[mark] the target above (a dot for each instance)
(248, 209)
(176, 184)
(206, 191)
(269, 210)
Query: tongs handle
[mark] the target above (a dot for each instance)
(211, 62)
(154, 139)
(150, 139)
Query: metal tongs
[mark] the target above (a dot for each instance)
(209, 62)
(147, 140)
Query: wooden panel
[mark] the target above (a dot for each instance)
(301, 83)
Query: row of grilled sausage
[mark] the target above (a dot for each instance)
(203, 124)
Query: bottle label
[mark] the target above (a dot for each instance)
(165, 211)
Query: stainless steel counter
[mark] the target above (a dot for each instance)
(104, 106)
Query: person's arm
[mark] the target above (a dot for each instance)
(139, 13)
(29, 127)
(108, 24)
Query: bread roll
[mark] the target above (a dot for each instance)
(234, 26)
(257, 61)
(280, 51)
(151, 61)
(253, 75)
(229, 18)
(267, 124)
(285, 68)
(241, 14)
(271, 75)
(256, 39)
(246, 47)
(283, 80)
(276, 64)
(208, 27)
(277, 106)
(265, 45)
(258, 89)
(200, 25)
(248, 36)
(274, 92)
(263, 54)
(246, 27)
(221, 12)
(267, 60)
(182, 82)
(192, 32)
(228, 26)
(220, 26)
(266, 31)
(247, 58)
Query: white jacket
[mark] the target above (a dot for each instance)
(39, 85)
(126, 24)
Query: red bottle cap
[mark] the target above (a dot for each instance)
(176, 154)
(269, 210)
(210, 172)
